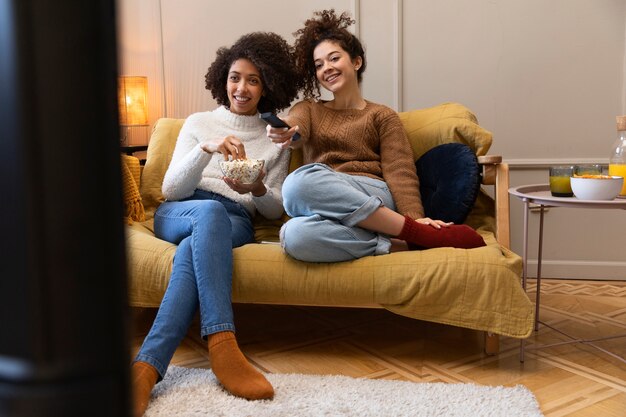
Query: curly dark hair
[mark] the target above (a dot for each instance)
(272, 56)
(326, 25)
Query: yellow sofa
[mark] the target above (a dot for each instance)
(477, 289)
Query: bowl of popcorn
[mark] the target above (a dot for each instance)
(596, 186)
(245, 171)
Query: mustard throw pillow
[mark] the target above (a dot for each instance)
(160, 149)
(444, 123)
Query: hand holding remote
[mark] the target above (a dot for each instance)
(274, 121)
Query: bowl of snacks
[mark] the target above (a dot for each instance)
(596, 186)
(245, 171)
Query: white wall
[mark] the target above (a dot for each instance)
(547, 77)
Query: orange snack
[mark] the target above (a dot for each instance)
(596, 176)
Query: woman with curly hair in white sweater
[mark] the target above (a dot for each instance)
(207, 215)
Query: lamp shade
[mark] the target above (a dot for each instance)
(132, 97)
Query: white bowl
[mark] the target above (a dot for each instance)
(244, 170)
(596, 187)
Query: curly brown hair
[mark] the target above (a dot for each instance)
(272, 56)
(325, 26)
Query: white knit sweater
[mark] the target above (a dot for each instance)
(192, 168)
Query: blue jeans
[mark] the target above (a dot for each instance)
(325, 207)
(205, 227)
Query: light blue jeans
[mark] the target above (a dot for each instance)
(205, 227)
(325, 207)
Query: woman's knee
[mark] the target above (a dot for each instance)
(295, 236)
(209, 210)
(293, 185)
(183, 256)
(302, 239)
(211, 207)
(300, 185)
(212, 216)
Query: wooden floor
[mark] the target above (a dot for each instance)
(567, 379)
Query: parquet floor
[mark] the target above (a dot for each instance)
(567, 379)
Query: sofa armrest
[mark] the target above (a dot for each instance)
(496, 173)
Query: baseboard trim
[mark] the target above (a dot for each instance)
(588, 270)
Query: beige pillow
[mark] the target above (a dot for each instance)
(444, 123)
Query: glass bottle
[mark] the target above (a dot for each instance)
(617, 160)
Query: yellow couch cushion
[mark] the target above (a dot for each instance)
(444, 123)
(149, 264)
(160, 150)
(477, 289)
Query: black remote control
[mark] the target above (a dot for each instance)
(273, 120)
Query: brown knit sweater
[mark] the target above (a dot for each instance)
(370, 142)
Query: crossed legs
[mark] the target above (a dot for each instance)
(338, 217)
(201, 278)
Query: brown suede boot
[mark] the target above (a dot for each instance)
(144, 377)
(233, 370)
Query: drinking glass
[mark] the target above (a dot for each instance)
(589, 169)
(559, 181)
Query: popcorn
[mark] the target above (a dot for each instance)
(244, 170)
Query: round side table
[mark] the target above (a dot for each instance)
(540, 195)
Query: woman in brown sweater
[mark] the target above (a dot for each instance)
(358, 192)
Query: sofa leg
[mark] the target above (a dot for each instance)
(492, 343)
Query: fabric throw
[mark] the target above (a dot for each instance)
(196, 392)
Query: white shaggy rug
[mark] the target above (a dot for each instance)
(195, 392)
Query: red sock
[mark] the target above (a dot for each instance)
(426, 236)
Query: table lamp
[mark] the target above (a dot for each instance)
(132, 96)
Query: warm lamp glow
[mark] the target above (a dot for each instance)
(132, 97)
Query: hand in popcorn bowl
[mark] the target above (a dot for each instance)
(245, 171)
